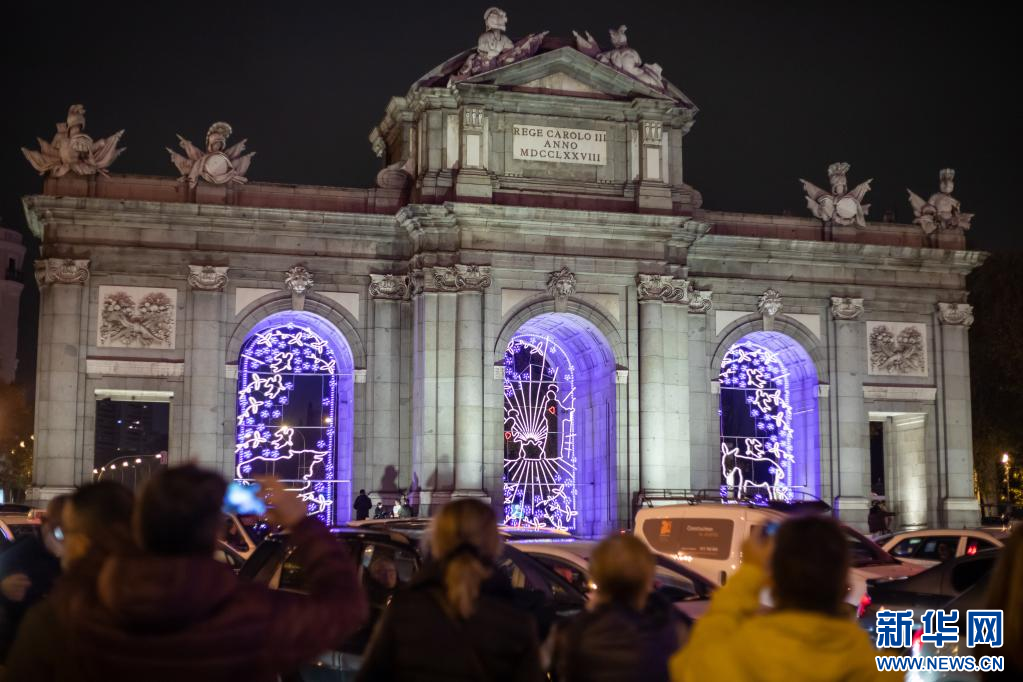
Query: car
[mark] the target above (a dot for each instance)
(687, 589)
(974, 597)
(929, 589)
(14, 526)
(708, 535)
(277, 565)
(930, 547)
(240, 538)
(419, 525)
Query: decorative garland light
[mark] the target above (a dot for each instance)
(539, 436)
(756, 462)
(275, 364)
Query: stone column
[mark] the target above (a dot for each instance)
(64, 305)
(959, 505)
(384, 471)
(664, 430)
(471, 282)
(853, 437)
(204, 368)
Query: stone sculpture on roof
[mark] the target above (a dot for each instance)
(72, 151)
(219, 164)
(839, 206)
(494, 48)
(621, 57)
(941, 211)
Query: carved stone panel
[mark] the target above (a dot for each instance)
(897, 349)
(136, 317)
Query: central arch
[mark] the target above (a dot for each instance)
(559, 425)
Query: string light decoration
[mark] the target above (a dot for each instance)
(756, 425)
(539, 435)
(287, 413)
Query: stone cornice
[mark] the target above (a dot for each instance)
(802, 252)
(42, 210)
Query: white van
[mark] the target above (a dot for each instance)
(708, 536)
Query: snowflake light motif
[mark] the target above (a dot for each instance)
(539, 431)
(272, 363)
(756, 464)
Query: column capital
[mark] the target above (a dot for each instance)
(61, 271)
(390, 287)
(845, 308)
(207, 277)
(955, 314)
(455, 278)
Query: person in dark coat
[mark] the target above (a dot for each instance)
(631, 631)
(362, 506)
(28, 570)
(456, 621)
(877, 518)
(173, 613)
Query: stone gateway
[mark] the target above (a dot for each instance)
(532, 307)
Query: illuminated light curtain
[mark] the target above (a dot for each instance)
(539, 435)
(756, 425)
(287, 413)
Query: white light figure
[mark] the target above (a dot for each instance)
(756, 464)
(273, 365)
(539, 405)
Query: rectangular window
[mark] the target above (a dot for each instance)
(126, 431)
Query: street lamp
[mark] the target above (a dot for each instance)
(1008, 493)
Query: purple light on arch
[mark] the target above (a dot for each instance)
(294, 410)
(559, 426)
(770, 445)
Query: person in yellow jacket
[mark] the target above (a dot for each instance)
(808, 637)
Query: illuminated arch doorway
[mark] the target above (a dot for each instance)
(769, 447)
(294, 410)
(559, 425)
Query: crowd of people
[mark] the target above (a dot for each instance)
(119, 588)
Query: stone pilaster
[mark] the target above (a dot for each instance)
(64, 306)
(473, 179)
(203, 367)
(653, 193)
(958, 504)
(384, 473)
(852, 435)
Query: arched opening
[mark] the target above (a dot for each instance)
(559, 426)
(770, 448)
(294, 416)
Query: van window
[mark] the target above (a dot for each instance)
(702, 538)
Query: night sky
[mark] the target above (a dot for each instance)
(899, 90)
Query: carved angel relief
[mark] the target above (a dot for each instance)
(621, 57)
(494, 48)
(72, 151)
(941, 210)
(839, 206)
(219, 164)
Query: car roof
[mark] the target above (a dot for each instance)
(937, 532)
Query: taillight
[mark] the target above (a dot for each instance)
(917, 634)
(971, 550)
(865, 602)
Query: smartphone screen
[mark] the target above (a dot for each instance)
(243, 498)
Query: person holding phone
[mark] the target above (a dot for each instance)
(172, 612)
(28, 570)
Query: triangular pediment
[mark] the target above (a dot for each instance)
(570, 72)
